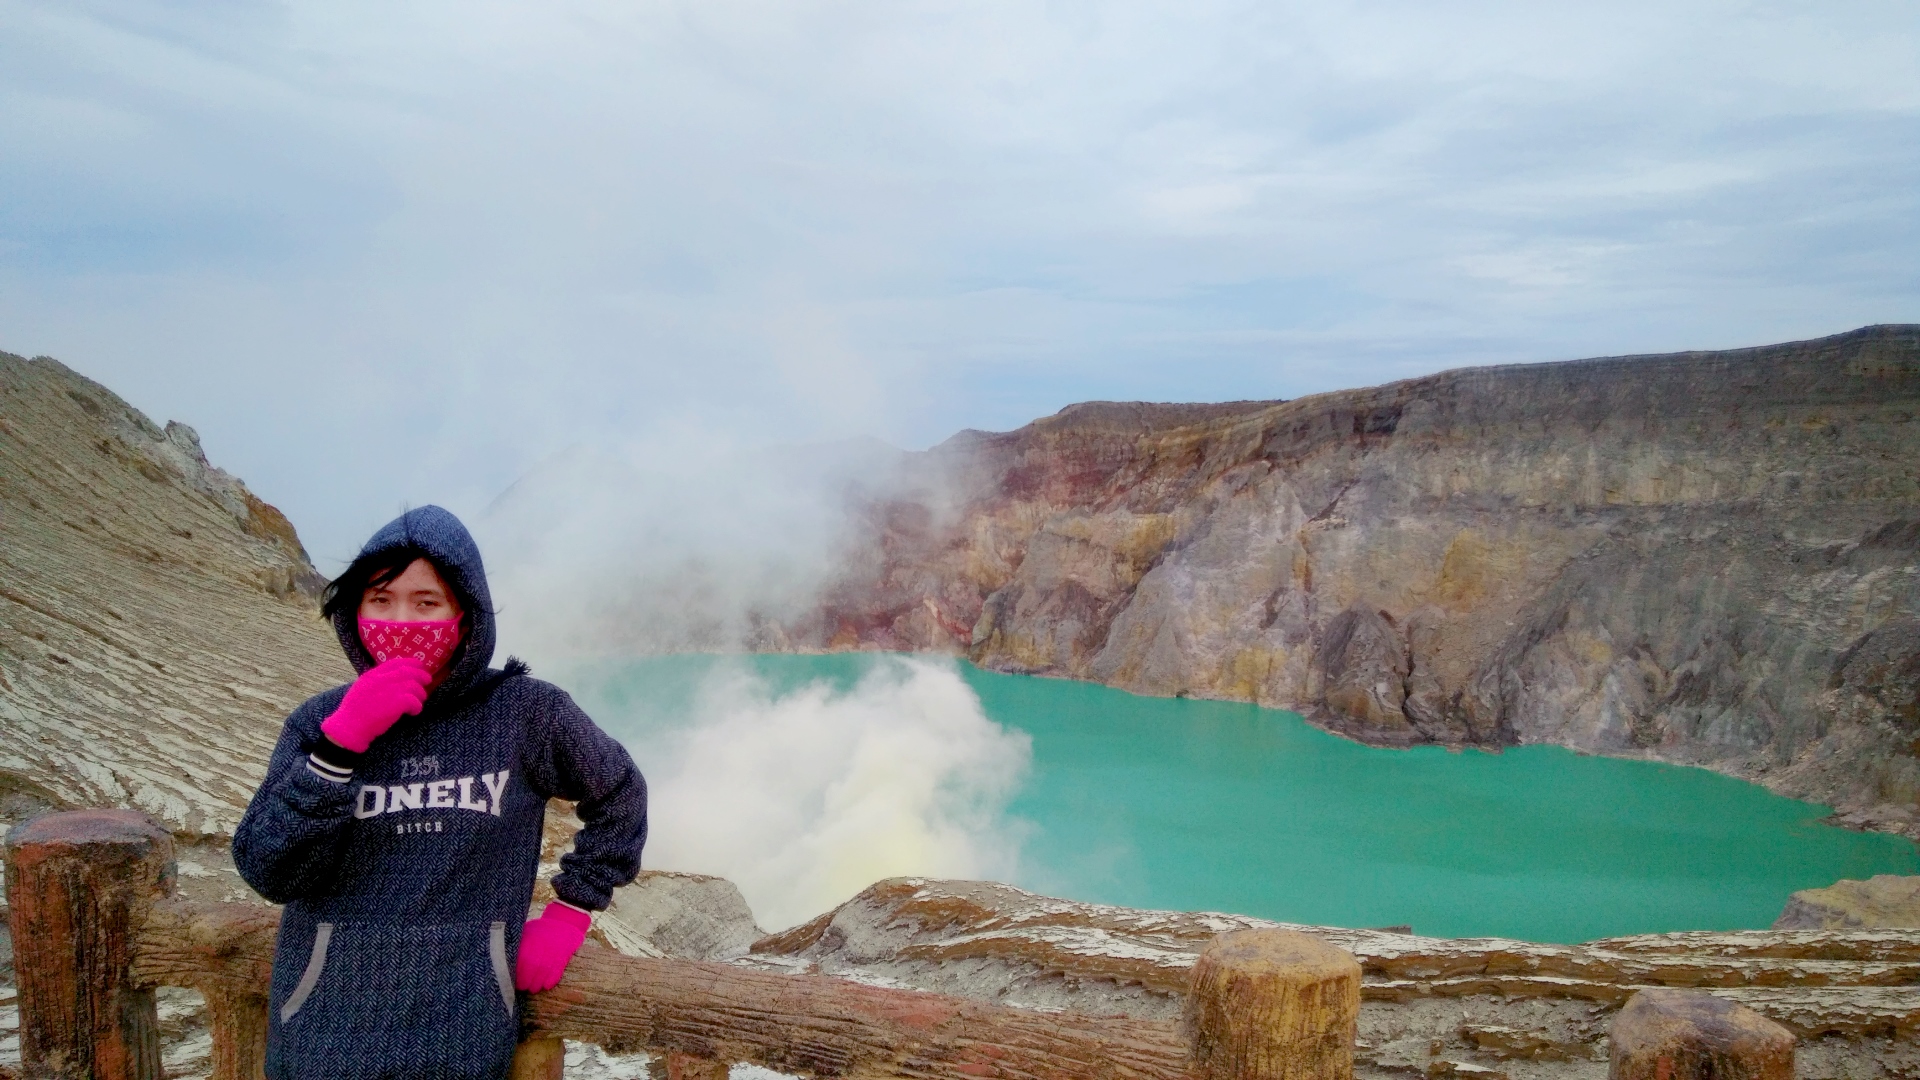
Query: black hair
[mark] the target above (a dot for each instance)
(377, 568)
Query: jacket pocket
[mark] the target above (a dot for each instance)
(309, 978)
(376, 1000)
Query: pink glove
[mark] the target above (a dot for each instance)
(547, 944)
(376, 701)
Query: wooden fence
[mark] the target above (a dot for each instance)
(96, 926)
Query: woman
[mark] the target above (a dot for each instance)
(400, 824)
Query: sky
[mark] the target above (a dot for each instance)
(381, 255)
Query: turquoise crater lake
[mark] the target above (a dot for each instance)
(1203, 805)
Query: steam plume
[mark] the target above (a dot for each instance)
(805, 798)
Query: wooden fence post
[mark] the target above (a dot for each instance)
(79, 885)
(1273, 1005)
(1693, 1035)
(238, 1022)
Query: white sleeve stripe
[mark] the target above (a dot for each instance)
(328, 766)
(324, 771)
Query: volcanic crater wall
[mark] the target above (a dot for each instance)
(1710, 558)
(157, 619)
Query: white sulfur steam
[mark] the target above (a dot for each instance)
(690, 545)
(805, 798)
(686, 544)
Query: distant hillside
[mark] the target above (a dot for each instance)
(157, 621)
(1710, 558)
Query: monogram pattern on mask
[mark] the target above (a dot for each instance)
(429, 642)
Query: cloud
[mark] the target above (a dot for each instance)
(804, 798)
(384, 255)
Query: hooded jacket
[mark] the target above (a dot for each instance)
(406, 871)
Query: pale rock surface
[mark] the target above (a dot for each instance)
(157, 621)
(689, 916)
(1882, 900)
(1704, 558)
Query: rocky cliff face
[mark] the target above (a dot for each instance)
(157, 621)
(1708, 558)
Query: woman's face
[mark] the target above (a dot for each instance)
(416, 594)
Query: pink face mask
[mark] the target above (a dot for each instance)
(429, 642)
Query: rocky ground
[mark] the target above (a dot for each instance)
(1705, 558)
(1431, 1006)
(157, 621)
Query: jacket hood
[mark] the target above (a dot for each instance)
(442, 536)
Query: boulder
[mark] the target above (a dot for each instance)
(1693, 1035)
(689, 916)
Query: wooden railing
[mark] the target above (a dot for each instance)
(96, 926)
